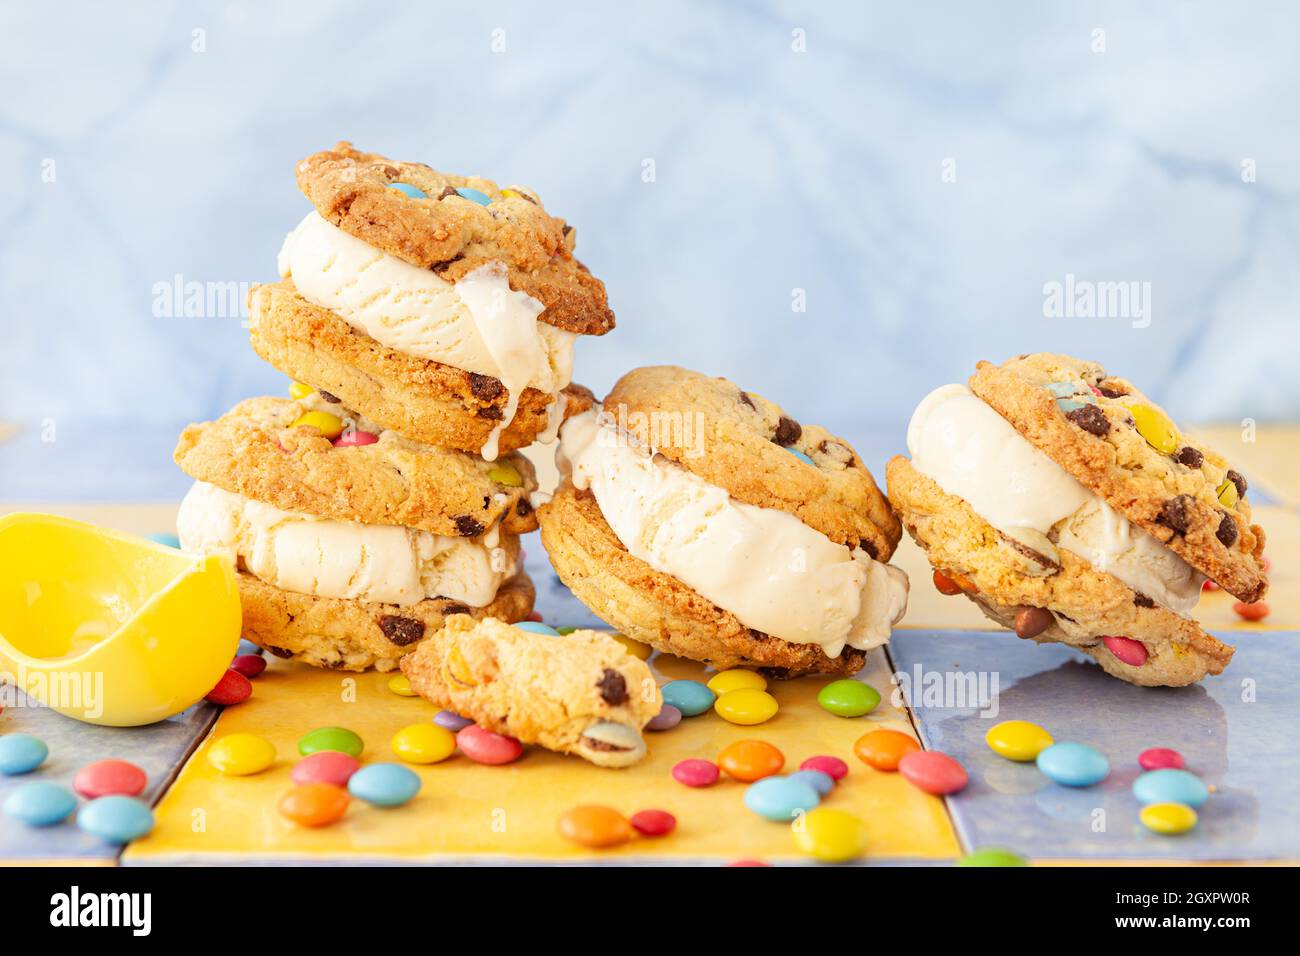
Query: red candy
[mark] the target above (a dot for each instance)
(696, 773)
(233, 688)
(653, 822)
(1209, 585)
(833, 767)
(483, 746)
(535, 616)
(355, 439)
(933, 772)
(325, 766)
(1160, 758)
(105, 778)
(749, 863)
(1126, 650)
(250, 665)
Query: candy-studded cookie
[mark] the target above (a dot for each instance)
(581, 693)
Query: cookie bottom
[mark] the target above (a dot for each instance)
(657, 609)
(355, 635)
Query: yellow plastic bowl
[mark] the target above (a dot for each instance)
(109, 628)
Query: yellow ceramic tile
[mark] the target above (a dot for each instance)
(468, 810)
(141, 519)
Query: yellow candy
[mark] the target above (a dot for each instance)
(831, 836)
(724, 682)
(1168, 818)
(747, 706)
(459, 668)
(635, 648)
(400, 686)
(328, 425)
(1018, 740)
(424, 743)
(1156, 428)
(299, 391)
(505, 475)
(239, 755)
(1228, 494)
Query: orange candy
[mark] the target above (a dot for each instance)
(314, 804)
(1251, 612)
(595, 826)
(750, 760)
(945, 585)
(883, 749)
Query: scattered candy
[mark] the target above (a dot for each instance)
(848, 698)
(695, 772)
(595, 826)
(314, 804)
(746, 707)
(833, 767)
(330, 426)
(1170, 819)
(401, 686)
(667, 718)
(424, 743)
(992, 856)
(945, 585)
(325, 766)
(233, 688)
(452, 721)
(819, 780)
(537, 627)
(483, 746)
(116, 819)
(933, 772)
(298, 391)
(385, 784)
(1160, 758)
(534, 615)
(1018, 740)
(653, 823)
(1208, 585)
(1073, 765)
(474, 195)
(1155, 427)
(105, 778)
(638, 650)
(883, 749)
(750, 760)
(247, 647)
(567, 629)
(21, 753)
(1227, 494)
(250, 665)
(801, 456)
(406, 189)
(1126, 650)
(724, 682)
(355, 439)
(331, 738)
(1031, 621)
(504, 474)
(748, 863)
(165, 538)
(689, 696)
(781, 798)
(40, 803)
(831, 836)
(1170, 786)
(1251, 612)
(239, 755)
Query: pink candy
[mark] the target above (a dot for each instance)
(105, 778)
(355, 439)
(1160, 758)
(1126, 650)
(933, 772)
(325, 766)
(833, 767)
(483, 746)
(696, 773)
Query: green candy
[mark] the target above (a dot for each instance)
(567, 629)
(338, 739)
(992, 856)
(848, 698)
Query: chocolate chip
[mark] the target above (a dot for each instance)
(491, 413)
(454, 608)
(837, 452)
(613, 687)
(1111, 392)
(1091, 419)
(389, 172)
(1067, 617)
(567, 229)
(279, 652)
(1239, 480)
(1227, 533)
(524, 508)
(870, 548)
(1189, 456)
(776, 673)
(1177, 514)
(447, 191)
(485, 387)
(401, 630)
(787, 432)
(468, 526)
(1141, 600)
(746, 400)
(328, 396)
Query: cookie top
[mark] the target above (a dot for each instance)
(743, 443)
(257, 451)
(1102, 430)
(454, 224)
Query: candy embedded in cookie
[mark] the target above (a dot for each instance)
(580, 693)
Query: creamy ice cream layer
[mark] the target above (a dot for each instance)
(974, 453)
(341, 559)
(769, 569)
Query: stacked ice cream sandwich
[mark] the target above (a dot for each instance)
(428, 323)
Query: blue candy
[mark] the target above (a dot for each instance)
(537, 627)
(1170, 786)
(689, 696)
(801, 456)
(451, 720)
(247, 647)
(1063, 389)
(473, 194)
(384, 784)
(819, 780)
(781, 798)
(407, 189)
(1069, 404)
(40, 803)
(21, 753)
(116, 819)
(163, 537)
(1073, 765)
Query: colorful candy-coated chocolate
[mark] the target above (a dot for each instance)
(424, 743)
(250, 665)
(945, 585)
(299, 390)
(355, 439)
(534, 615)
(401, 686)
(1126, 650)
(1170, 819)
(1251, 612)
(1073, 765)
(21, 753)
(694, 772)
(505, 474)
(746, 707)
(801, 456)
(724, 682)
(568, 629)
(594, 826)
(385, 784)
(1170, 786)
(883, 749)
(314, 804)
(781, 798)
(451, 720)
(116, 819)
(819, 780)
(483, 746)
(330, 426)
(829, 835)
(247, 647)
(537, 627)
(933, 772)
(1161, 758)
(325, 766)
(331, 738)
(40, 803)
(634, 647)
(689, 696)
(848, 698)
(166, 538)
(1227, 494)
(474, 195)
(1018, 740)
(1153, 425)
(406, 189)
(239, 755)
(233, 688)
(667, 718)
(750, 760)
(104, 778)
(833, 767)
(653, 823)
(992, 856)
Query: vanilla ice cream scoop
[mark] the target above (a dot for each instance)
(769, 569)
(384, 564)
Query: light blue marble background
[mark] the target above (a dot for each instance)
(776, 169)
